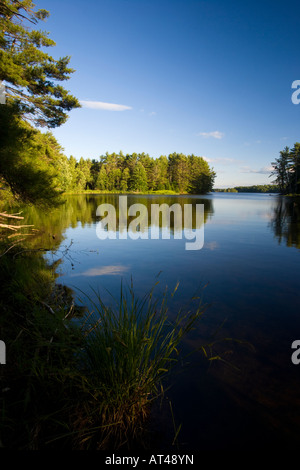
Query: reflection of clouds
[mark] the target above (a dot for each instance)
(104, 271)
(265, 216)
(212, 245)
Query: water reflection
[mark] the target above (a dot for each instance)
(81, 211)
(285, 221)
(251, 282)
(104, 271)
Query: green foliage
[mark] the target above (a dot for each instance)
(140, 173)
(30, 74)
(28, 160)
(129, 350)
(287, 170)
(32, 165)
(139, 178)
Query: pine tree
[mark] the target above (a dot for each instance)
(124, 180)
(138, 181)
(29, 74)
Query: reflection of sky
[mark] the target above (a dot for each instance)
(240, 258)
(103, 271)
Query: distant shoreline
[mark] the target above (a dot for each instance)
(166, 192)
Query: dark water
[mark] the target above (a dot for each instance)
(250, 265)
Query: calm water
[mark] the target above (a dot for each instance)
(250, 265)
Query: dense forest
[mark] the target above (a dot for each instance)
(34, 167)
(137, 172)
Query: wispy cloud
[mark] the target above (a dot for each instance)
(214, 134)
(104, 106)
(263, 171)
(224, 160)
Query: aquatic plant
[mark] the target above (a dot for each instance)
(129, 349)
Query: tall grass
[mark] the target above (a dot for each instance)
(129, 350)
(83, 384)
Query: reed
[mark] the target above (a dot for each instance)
(129, 349)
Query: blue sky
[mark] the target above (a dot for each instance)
(212, 78)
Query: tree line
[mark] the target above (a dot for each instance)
(256, 188)
(32, 164)
(286, 170)
(137, 172)
(34, 167)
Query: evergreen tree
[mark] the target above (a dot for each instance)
(286, 170)
(281, 170)
(179, 172)
(31, 163)
(295, 167)
(30, 75)
(124, 180)
(101, 182)
(138, 181)
(201, 177)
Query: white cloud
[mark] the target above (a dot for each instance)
(104, 106)
(264, 171)
(214, 134)
(224, 160)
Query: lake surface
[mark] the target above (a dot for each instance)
(250, 266)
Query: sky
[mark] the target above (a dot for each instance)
(211, 78)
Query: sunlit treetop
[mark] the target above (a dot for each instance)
(31, 76)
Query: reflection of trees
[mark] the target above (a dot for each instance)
(169, 201)
(81, 209)
(286, 221)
